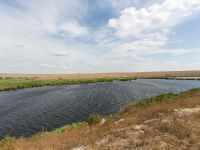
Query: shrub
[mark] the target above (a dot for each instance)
(7, 78)
(94, 119)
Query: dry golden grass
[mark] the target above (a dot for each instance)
(163, 130)
(109, 75)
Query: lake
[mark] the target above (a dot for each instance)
(29, 111)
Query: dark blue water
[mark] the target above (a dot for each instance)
(29, 111)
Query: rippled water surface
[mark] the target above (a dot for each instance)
(26, 112)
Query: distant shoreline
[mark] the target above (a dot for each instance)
(16, 83)
(9, 83)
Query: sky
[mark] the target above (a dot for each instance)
(95, 36)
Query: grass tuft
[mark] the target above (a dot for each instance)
(94, 119)
(7, 141)
(69, 127)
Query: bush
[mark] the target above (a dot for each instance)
(94, 119)
(7, 78)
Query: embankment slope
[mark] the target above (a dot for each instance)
(168, 121)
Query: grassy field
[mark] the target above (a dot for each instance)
(20, 81)
(168, 121)
(11, 83)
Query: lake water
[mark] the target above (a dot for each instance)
(29, 111)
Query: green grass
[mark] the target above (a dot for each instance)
(94, 119)
(157, 99)
(7, 84)
(172, 78)
(150, 101)
(8, 140)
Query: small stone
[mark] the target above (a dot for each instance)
(102, 122)
(160, 114)
(163, 145)
(151, 120)
(121, 120)
(141, 131)
(80, 148)
(139, 127)
(165, 121)
(175, 110)
(103, 141)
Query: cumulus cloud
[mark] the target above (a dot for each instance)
(136, 22)
(146, 44)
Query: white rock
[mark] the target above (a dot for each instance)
(176, 110)
(103, 141)
(141, 131)
(151, 120)
(186, 111)
(164, 121)
(163, 145)
(121, 120)
(160, 114)
(139, 127)
(102, 122)
(80, 148)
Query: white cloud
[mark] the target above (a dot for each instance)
(137, 22)
(19, 65)
(28, 34)
(2, 55)
(44, 35)
(147, 44)
(60, 54)
(195, 63)
(118, 5)
(44, 16)
(171, 63)
(55, 66)
(74, 28)
(149, 29)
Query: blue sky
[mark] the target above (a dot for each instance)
(92, 36)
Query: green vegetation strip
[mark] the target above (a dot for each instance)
(150, 101)
(173, 78)
(7, 84)
(157, 99)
